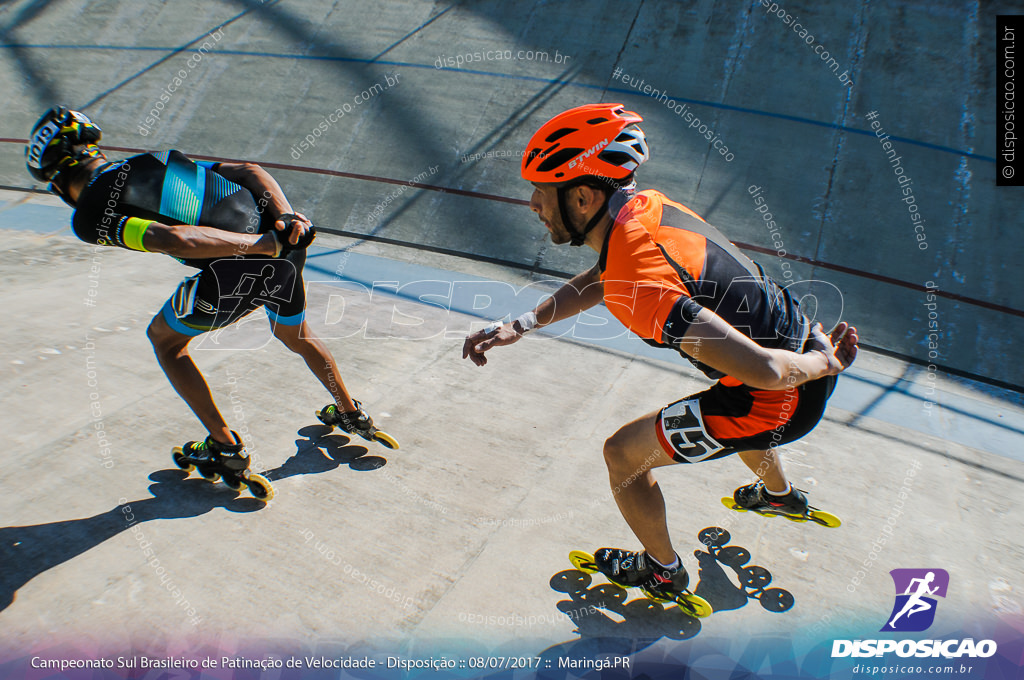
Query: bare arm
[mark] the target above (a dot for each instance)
(583, 291)
(259, 183)
(267, 192)
(200, 243)
(712, 341)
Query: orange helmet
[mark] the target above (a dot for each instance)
(595, 140)
(596, 144)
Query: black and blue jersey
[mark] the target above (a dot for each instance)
(167, 187)
(125, 197)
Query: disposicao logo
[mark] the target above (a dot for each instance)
(914, 609)
(913, 612)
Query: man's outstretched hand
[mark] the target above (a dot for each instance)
(484, 339)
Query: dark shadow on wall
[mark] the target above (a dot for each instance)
(46, 90)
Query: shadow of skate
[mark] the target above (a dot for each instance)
(323, 450)
(719, 587)
(609, 623)
(27, 551)
(604, 611)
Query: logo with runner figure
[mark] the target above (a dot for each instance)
(914, 609)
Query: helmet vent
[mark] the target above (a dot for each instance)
(558, 134)
(617, 158)
(558, 158)
(530, 156)
(595, 121)
(548, 150)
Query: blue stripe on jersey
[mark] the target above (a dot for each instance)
(184, 187)
(220, 188)
(217, 189)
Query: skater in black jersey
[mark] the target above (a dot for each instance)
(233, 223)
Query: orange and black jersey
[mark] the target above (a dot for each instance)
(661, 263)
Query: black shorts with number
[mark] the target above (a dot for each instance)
(228, 289)
(730, 417)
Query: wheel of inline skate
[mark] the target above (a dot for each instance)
(826, 519)
(694, 605)
(385, 439)
(234, 483)
(654, 597)
(583, 561)
(209, 476)
(260, 487)
(178, 456)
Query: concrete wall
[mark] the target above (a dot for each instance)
(274, 71)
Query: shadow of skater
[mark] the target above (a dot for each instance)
(321, 451)
(605, 618)
(27, 551)
(719, 589)
(603, 611)
(607, 624)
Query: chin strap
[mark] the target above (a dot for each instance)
(577, 237)
(88, 153)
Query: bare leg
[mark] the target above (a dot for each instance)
(630, 455)
(318, 358)
(171, 350)
(768, 466)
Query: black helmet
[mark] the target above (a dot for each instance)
(50, 147)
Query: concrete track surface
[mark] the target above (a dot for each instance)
(457, 543)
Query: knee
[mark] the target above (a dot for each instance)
(163, 338)
(616, 454)
(155, 331)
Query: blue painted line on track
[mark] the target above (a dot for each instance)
(899, 402)
(896, 401)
